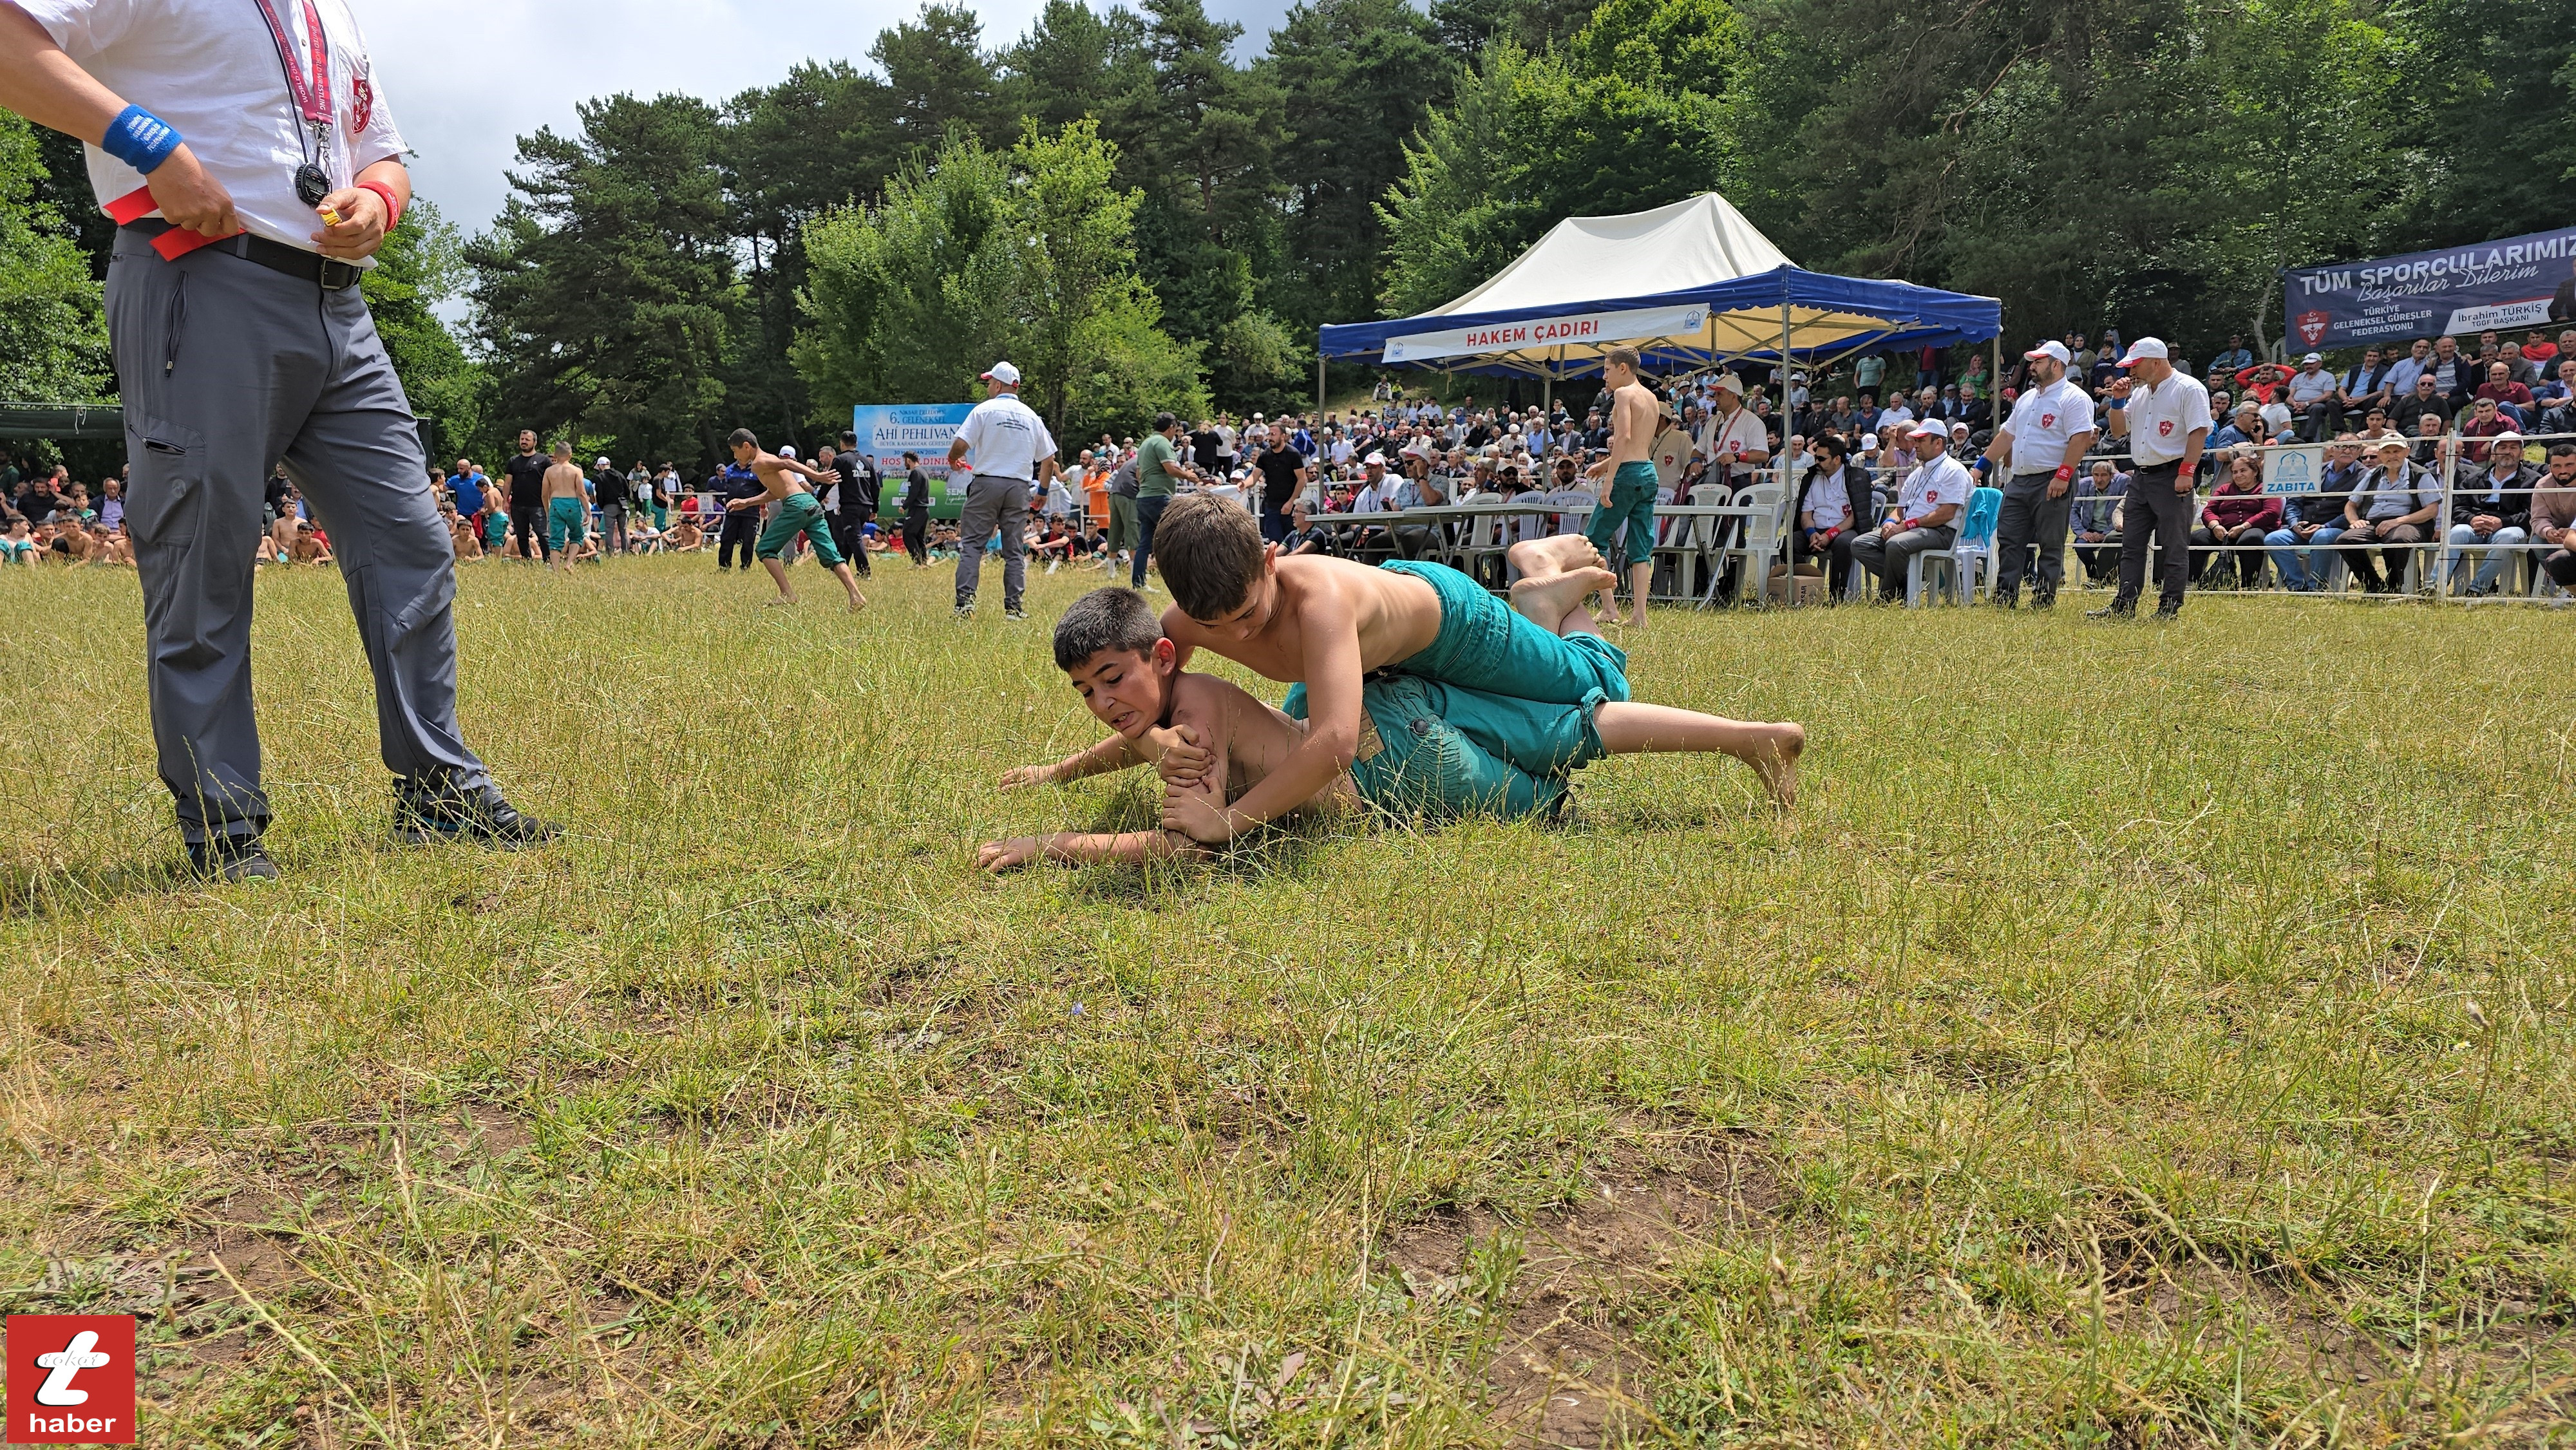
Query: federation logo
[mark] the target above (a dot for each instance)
(362, 102)
(2312, 326)
(71, 1379)
(2048, 420)
(2165, 428)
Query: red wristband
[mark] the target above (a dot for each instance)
(2065, 471)
(393, 204)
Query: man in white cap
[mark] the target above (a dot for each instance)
(1929, 506)
(1013, 453)
(1733, 439)
(2163, 415)
(2038, 449)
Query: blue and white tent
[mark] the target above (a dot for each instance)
(1688, 285)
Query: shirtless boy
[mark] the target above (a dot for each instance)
(1627, 478)
(567, 507)
(1426, 749)
(798, 513)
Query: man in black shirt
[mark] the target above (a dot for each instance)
(526, 471)
(916, 510)
(1283, 477)
(857, 501)
(608, 490)
(741, 527)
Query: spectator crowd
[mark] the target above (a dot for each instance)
(2462, 446)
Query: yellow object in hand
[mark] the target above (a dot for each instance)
(330, 218)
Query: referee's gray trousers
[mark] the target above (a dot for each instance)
(228, 367)
(993, 503)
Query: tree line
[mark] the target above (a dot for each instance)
(1144, 220)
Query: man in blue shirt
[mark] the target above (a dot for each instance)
(466, 485)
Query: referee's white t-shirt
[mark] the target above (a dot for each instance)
(210, 69)
(2043, 422)
(1006, 439)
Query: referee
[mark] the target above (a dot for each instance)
(2164, 416)
(253, 172)
(1013, 453)
(2041, 443)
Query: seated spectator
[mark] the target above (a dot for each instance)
(2091, 519)
(2315, 520)
(2314, 401)
(2427, 398)
(2519, 366)
(2434, 448)
(2491, 506)
(2361, 389)
(2375, 424)
(2262, 382)
(2394, 504)
(111, 505)
(2486, 421)
(2238, 512)
(1834, 503)
(2507, 394)
(2553, 515)
(1927, 516)
(18, 544)
(308, 545)
(2230, 359)
(462, 536)
(71, 542)
(2558, 410)
(1303, 537)
(2539, 351)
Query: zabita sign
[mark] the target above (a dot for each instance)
(2519, 282)
(1582, 330)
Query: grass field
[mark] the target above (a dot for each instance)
(2142, 1036)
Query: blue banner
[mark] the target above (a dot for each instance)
(925, 428)
(2517, 283)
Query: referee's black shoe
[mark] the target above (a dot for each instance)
(231, 858)
(434, 808)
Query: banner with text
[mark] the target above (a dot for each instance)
(2516, 283)
(1574, 329)
(884, 433)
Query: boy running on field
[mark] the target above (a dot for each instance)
(1323, 623)
(1426, 749)
(798, 513)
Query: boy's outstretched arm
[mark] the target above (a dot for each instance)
(1112, 754)
(1076, 848)
(1332, 738)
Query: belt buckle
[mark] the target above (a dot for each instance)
(338, 274)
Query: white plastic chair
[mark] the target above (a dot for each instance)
(1959, 565)
(1756, 543)
(1688, 546)
(1480, 541)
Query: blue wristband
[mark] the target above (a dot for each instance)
(140, 139)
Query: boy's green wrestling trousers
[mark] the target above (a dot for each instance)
(1437, 752)
(1484, 644)
(798, 513)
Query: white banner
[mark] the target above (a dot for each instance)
(1576, 328)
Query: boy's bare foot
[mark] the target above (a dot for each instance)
(778, 603)
(1546, 599)
(1540, 558)
(1778, 767)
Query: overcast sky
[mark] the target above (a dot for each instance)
(467, 77)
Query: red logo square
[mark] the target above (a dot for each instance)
(71, 1379)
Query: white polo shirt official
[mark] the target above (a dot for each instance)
(2163, 418)
(1944, 480)
(1005, 438)
(2043, 422)
(210, 69)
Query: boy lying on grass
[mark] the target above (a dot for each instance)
(1422, 749)
(1323, 624)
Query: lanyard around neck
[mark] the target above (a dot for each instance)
(312, 96)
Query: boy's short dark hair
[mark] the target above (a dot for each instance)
(1105, 619)
(1210, 550)
(741, 436)
(1622, 357)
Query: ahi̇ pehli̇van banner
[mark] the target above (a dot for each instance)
(2519, 282)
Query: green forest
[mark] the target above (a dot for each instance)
(1146, 214)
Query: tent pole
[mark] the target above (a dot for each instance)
(1995, 386)
(1319, 387)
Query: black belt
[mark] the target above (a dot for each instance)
(332, 276)
(2168, 463)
